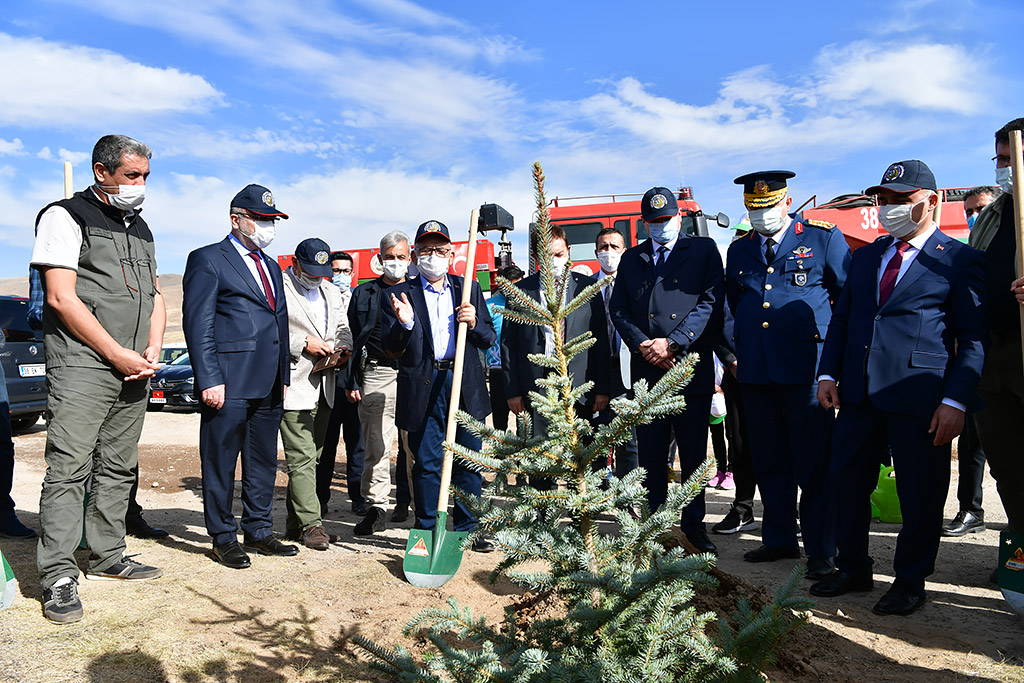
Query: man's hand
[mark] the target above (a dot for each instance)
(353, 396)
(214, 396)
(515, 404)
(1018, 290)
(317, 346)
(600, 402)
(133, 365)
(656, 352)
(152, 353)
(947, 422)
(466, 313)
(402, 308)
(828, 394)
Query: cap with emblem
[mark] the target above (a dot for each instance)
(315, 257)
(432, 228)
(258, 200)
(658, 202)
(906, 176)
(764, 188)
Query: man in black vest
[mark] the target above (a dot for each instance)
(103, 326)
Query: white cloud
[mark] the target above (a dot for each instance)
(58, 84)
(11, 148)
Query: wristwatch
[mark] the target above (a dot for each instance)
(673, 347)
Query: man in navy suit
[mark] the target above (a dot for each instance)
(901, 361)
(667, 303)
(236, 327)
(420, 327)
(780, 281)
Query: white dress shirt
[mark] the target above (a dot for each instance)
(244, 252)
(441, 310)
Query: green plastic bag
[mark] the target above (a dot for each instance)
(1011, 569)
(9, 588)
(885, 504)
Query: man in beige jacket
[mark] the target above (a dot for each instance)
(317, 326)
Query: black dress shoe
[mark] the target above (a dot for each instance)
(231, 555)
(272, 546)
(898, 601)
(400, 514)
(374, 521)
(699, 539)
(819, 569)
(11, 527)
(483, 545)
(139, 528)
(964, 523)
(841, 583)
(766, 554)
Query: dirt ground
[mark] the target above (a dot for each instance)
(290, 619)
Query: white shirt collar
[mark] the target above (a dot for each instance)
(668, 245)
(918, 241)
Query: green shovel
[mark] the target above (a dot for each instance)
(433, 557)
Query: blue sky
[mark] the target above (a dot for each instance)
(372, 115)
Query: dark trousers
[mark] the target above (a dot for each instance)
(6, 455)
(922, 481)
(427, 445)
(344, 423)
(790, 436)
(739, 446)
(248, 427)
(627, 457)
(1001, 425)
(971, 458)
(691, 432)
(499, 401)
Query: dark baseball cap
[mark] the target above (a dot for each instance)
(658, 202)
(432, 228)
(258, 200)
(906, 176)
(315, 257)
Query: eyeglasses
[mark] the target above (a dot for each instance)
(1001, 160)
(254, 218)
(395, 257)
(427, 251)
(342, 271)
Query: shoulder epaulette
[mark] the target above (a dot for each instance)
(824, 225)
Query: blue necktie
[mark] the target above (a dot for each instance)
(660, 260)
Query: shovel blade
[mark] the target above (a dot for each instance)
(433, 557)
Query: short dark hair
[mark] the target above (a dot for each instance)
(512, 273)
(556, 232)
(609, 231)
(990, 190)
(341, 256)
(111, 149)
(1003, 134)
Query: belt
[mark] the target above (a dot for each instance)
(385, 362)
(444, 364)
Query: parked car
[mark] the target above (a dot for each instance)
(24, 363)
(169, 352)
(173, 385)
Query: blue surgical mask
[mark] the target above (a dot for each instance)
(342, 281)
(970, 221)
(663, 233)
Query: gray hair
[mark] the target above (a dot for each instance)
(111, 149)
(391, 239)
(991, 190)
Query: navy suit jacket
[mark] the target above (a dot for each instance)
(519, 340)
(782, 311)
(925, 343)
(416, 350)
(684, 305)
(233, 336)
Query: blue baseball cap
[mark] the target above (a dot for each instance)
(258, 200)
(658, 202)
(432, 228)
(315, 257)
(906, 176)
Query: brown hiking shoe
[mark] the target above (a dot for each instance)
(316, 538)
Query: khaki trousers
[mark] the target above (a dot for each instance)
(377, 415)
(302, 435)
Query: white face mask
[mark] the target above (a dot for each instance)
(310, 281)
(897, 220)
(558, 265)
(342, 282)
(609, 260)
(433, 267)
(1004, 179)
(395, 269)
(264, 234)
(128, 197)
(769, 221)
(665, 232)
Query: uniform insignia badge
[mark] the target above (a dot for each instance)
(939, 247)
(799, 228)
(432, 226)
(800, 279)
(893, 172)
(658, 201)
(321, 257)
(819, 224)
(760, 187)
(268, 199)
(803, 251)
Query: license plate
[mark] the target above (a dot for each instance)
(157, 397)
(34, 370)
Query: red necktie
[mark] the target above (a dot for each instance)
(892, 269)
(263, 278)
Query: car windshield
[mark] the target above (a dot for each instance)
(169, 354)
(181, 360)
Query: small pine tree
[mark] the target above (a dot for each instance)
(623, 598)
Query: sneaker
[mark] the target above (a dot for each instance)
(715, 481)
(735, 522)
(61, 604)
(126, 570)
(727, 483)
(374, 521)
(400, 514)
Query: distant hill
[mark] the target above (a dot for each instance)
(170, 283)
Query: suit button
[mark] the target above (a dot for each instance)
(767, 286)
(817, 338)
(275, 342)
(673, 316)
(770, 270)
(765, 324)
(427, 382)
(652, 316)
(690, 333)
(766, 305)
(878, 317)
(674, 281)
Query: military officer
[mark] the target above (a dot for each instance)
(781, 281)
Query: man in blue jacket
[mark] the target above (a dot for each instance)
(667, 303)
(901, 362)
(236, 326)
(781, 280)
(420, 326)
